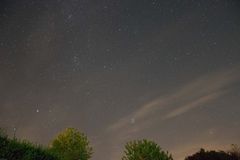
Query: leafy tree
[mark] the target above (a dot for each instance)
(144, 150)
(211, 155)
(72, 145)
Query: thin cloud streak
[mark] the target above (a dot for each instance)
(195, 94)
(185, 108)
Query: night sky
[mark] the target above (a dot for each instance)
(118, 70)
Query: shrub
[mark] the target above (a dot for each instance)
(14, 149)
(211, 155)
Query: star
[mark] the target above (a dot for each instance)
(132, 120)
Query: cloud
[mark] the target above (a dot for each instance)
(191, 105)
(204, 90)
(197, 93)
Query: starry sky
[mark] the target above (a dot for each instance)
(165, 70)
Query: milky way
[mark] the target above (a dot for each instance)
(120, 70)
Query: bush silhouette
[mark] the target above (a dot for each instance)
(13, 149)
(72, 145)
(211, 155)
(144, 150)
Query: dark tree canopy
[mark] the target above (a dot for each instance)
(144, 150)
(211, 155)
(235, 151)
(14, 149)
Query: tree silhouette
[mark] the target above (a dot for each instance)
(235, 151)
(144, 150)
(14, 149)
(72, 145)
(211, 155)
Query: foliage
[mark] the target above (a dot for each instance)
(144, 150)
(14, 149)
(211, 155)
(2, 132)
(72, 145)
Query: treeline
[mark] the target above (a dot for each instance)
(14, 149)
(74, 145)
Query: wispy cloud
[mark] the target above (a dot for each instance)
(191, 105)
(197, 93)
